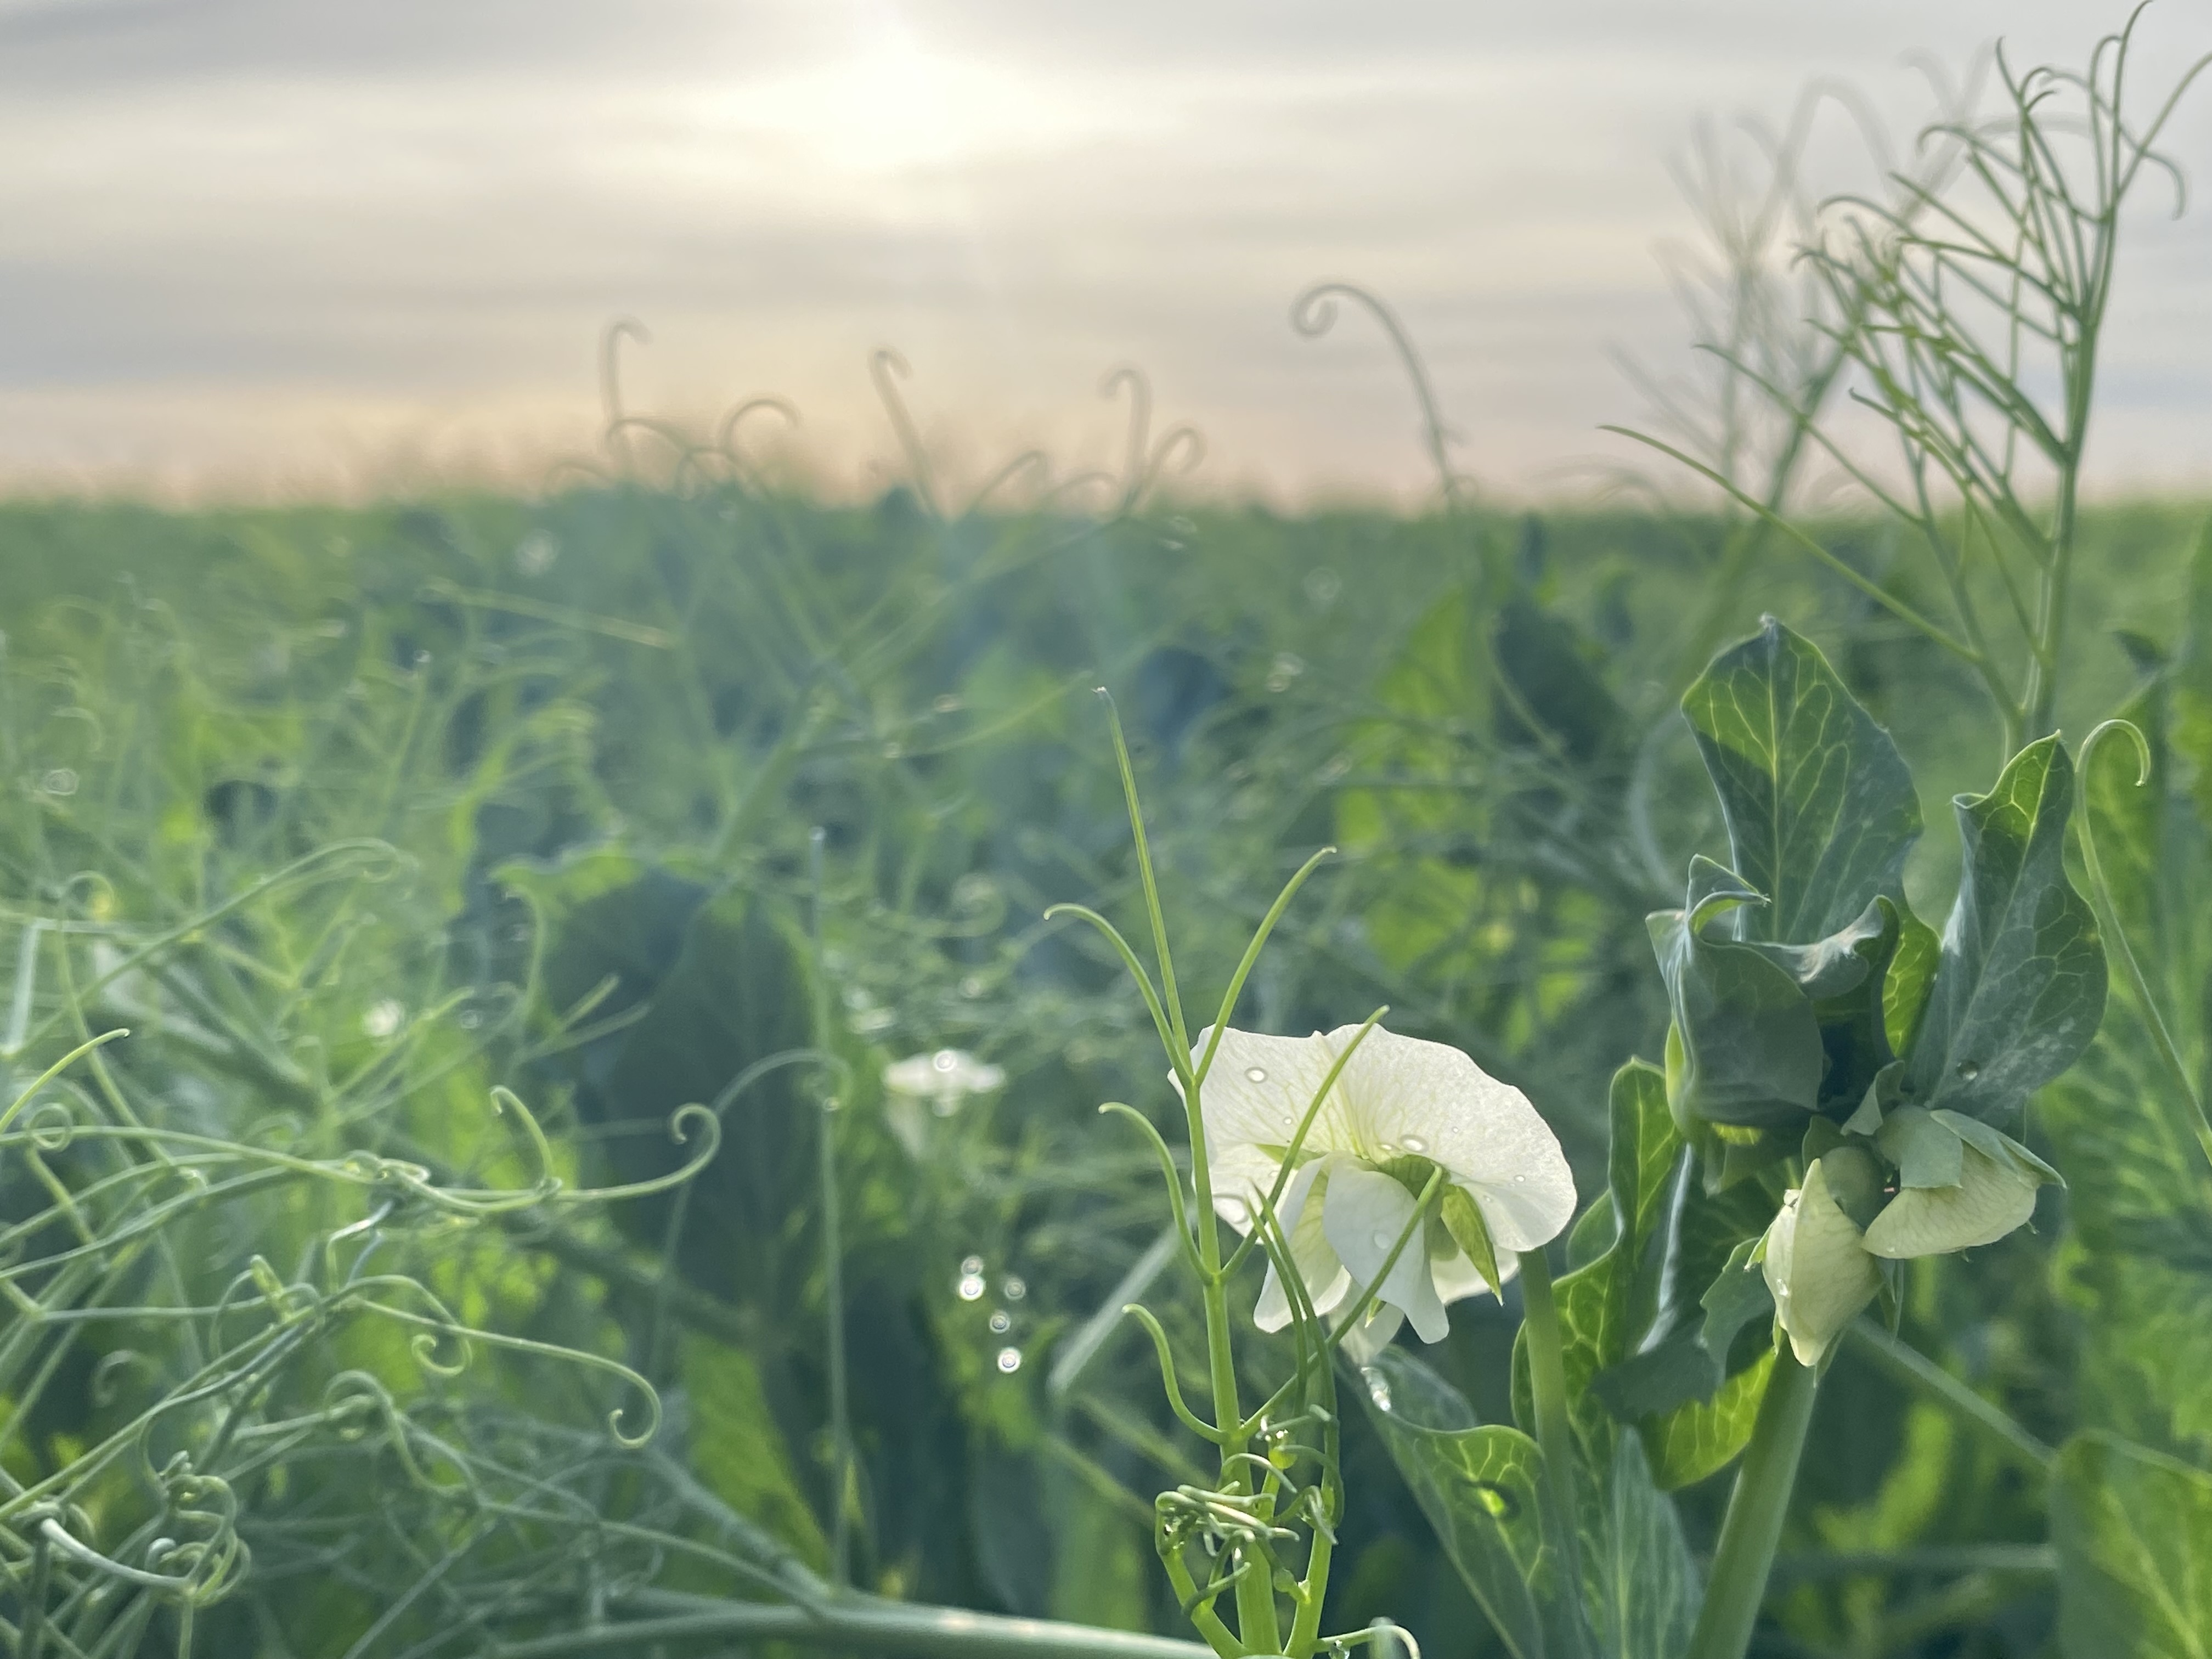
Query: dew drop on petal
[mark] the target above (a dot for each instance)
(1256, 1074)
(1010, 1360)
(944, 1060)
(1517, 1180)
(1379, 1388)
(1415, 1144)
(1969, 1070)
(1382, 1238)
(970, 1288)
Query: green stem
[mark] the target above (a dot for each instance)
(1547, 1379)
(858, 1625)
(1755, 1512)
(1914, 1368)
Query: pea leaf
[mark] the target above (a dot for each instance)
(1477, 1486)
(2133, 1529)
(2020, 987)
(1640, 1584)
(1820, 807)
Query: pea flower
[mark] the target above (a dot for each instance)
(1400, 1110)
(943, 1079)
(1815, 1259)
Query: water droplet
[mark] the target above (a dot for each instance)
(1014, 1290)
(1256, 1074)
(970, 1288)
(1379, 1388)
(470, 1019)
(1969, 1070)
(944, 1060)
(1382, 1238)
(385, 1019)
(971, 1264)
(973, 986)
(1415, 1144)
(59, 781)
(1001, 1320)
(1388, 1149)
(1517, 1180)
(1010, 1360)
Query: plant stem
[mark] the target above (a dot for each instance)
(859, 1625)
(1547, 1379)
(1909, 1365)
(1755, 1511)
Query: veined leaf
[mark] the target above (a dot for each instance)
(1640, 1584)
(2021, 984)
(2134, 1532)
(1821, 809)
(1477, 1486)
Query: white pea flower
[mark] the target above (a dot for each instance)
(1961, 1184)
(1815, 1260)
(943, 1079)
(1400, 1109)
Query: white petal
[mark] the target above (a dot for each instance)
(1373, 1335)
(1456, 1277)
(1430, 1099)
(1254, 1097)
(1362, 1216)
(1991, 1198)
(1817, 1266)
(1327, 1281)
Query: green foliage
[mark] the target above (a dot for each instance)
(2133, 1530)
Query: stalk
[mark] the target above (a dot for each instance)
(1548, 1378)
(1755, 1511)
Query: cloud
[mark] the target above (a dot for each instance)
(296, 203)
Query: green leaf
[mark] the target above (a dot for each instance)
(2133, 1530)
(1640, 1584)
(1596, 1301)
(1910, 976)
(1463, 1221)
(2021, 983)
(1750, 1042)
(736, 1449)
(1477, 1486)
(1698, 1439)
(1821, 809)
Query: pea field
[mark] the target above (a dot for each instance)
(671, 1067)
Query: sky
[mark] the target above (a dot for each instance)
(304, 246)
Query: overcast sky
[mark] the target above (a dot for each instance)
(291, 240)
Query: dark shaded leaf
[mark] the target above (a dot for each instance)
(2021, 984)
(1821, 809)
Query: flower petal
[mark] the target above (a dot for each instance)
(1252, 1100)
(1327, 1281)
(1405, 1096)
(1817, 1266)
(1363, 1216)
(1993, 1196)
(1373, 1335)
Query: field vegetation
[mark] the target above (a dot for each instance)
(552, 1082)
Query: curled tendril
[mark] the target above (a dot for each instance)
(1144, 463)
(886, 368)
(622, 328)
(710, 1127)
(1313, 313)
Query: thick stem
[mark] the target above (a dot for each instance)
(1755, 1512)
(1547, 1380)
